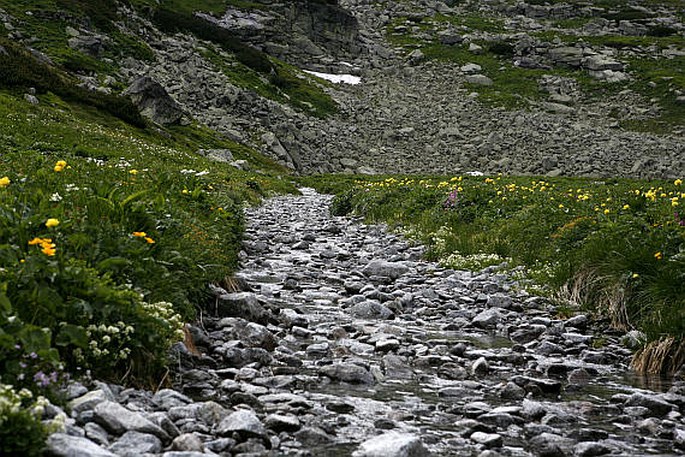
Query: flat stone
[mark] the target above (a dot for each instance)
(653, 403)
(89, 400)
(63, 445)
(392, 444)
(489, 440)
(392, 270)
(118, 420)
(282, 423)
(487, 319)
(136, 443)
(242, 421)
(480, 80)
(371, 309)
(590, 449)
(348, 372)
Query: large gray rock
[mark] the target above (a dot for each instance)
(371, 309)
(63, 445)
(551, 445)
(479, 80)
(90, 400)
(218, 155)
(566, 55)
(655, 404)
(93, 45)
(252, 334)
(600, 62)
(153, 101)
(348, 372)
(383, 268)
(133, 444)
(118, 420)
(241, 304)
(242, 421)
(487, 318)
(392, 444)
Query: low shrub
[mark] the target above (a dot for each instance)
(20, 69)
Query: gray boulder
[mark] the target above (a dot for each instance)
(241, 304)
(93, 45)
(383, 268)
(480, 80)
(242, 421)
(348, 372)
(136, 443)
(153, 102)
(392, 444)
(118, 420)
(63, 445)
(371, 309)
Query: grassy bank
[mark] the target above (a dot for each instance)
(109, 236)
(615, 248)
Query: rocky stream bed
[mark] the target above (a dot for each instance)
(337, 339)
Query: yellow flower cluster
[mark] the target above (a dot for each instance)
(52, 222)
(47, 246)
(144, 236)
(4, 182)
(60, 165)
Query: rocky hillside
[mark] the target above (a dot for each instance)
(554, 88)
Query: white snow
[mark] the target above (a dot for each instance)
(347, 79)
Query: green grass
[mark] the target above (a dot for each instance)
(613, 247)
(48, 31)
(516, 88)
(119, 180)
(473, 21)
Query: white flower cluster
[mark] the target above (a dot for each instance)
(438, 240)
(11, 402)
(164, 311)
(109, 340)
(186, 171)
(458, 261)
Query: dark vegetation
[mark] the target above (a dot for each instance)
(19, 69)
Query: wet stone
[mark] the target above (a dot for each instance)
(135, 443)
(488, 440)
(242, 421)
(351, 343)
(392, 444)
(348, 372)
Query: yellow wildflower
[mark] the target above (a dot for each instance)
(606, 211)
(149, 240)
(52, 222)
(48, 249)
(139, 234)
(677, 182)
(626, 206)
(133, 171)
(60, 165)
(5, 181)
(47, 246)
(658, 255)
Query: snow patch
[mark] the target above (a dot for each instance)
(347, 79)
